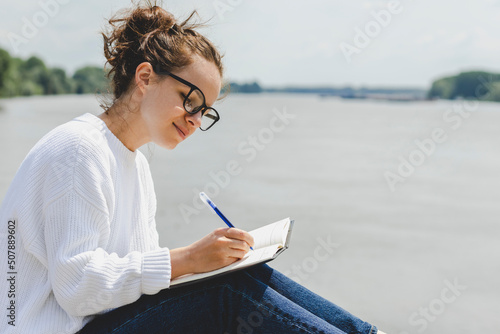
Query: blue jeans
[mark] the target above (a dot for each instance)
(255, 300)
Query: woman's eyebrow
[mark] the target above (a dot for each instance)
(183, 88)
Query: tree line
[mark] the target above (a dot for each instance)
(20, 77)
(477, 85)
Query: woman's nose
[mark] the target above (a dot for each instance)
(194, 120)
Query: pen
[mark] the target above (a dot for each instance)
(212, 205)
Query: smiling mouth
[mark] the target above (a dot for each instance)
(181, 133)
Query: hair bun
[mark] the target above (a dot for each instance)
(152, 20)
(149, 33)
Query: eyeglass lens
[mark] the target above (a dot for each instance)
(194, 102)
(209, 117)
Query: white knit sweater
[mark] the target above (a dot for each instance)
(79, 222)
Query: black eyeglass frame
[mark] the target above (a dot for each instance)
(203, 108)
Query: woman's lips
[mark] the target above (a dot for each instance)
(181, 133)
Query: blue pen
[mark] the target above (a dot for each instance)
(212, 205)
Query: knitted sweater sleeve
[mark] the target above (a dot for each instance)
(85, 278)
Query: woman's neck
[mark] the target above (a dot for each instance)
(126, 125)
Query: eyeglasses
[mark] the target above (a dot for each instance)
(194, 102)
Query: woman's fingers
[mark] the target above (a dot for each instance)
(240, 246)
(219, 248)
(237, 234)
(237, 254)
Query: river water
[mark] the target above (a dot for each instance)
(396, 205)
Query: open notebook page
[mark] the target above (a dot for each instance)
(272, 234)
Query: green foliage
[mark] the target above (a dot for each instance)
(5, 61)
(494, 91)
(442, 88)
(245, 88)
(59, 83)
(90, 80)
(32, 77)
(468, 85)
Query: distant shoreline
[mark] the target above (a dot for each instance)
(395, 97)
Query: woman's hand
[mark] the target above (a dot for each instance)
(216, 250)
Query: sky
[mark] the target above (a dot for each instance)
(400, 43)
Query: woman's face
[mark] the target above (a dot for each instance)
(162, 105)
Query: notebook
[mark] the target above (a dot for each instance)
(270, 241)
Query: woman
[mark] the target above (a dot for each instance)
(81, 212)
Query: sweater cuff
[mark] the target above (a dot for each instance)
(156, 271)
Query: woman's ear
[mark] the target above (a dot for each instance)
(143, 75)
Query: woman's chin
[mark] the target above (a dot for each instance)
(170, 145)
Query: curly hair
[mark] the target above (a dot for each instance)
(149, 33)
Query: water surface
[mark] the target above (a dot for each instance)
(381, 252)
